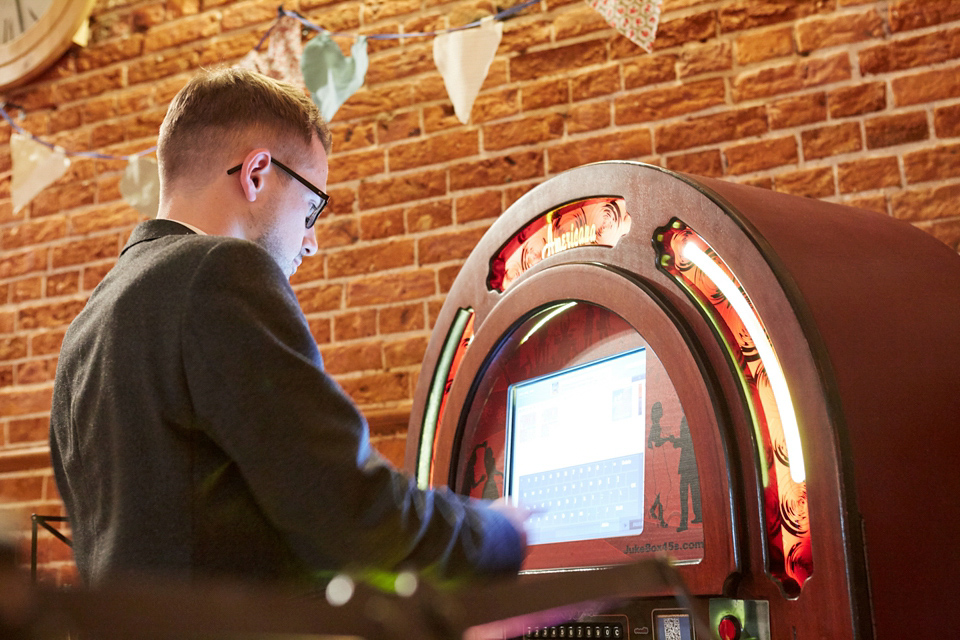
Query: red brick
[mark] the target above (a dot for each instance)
(766, 154)
(526, 131)
(36, 371)
(833, 30)
(369, 258)
(946, 231)
(392, 447)
(452, 245)
(412, 186)
(94, 274)
(29, 430)
(402, 318)
(578, 21)
(649, 70)
(937, 163)
(886, 131)
(382, 11)
(918, 51)
(49, 315)
(831, 141)
(928, 86)
(915, 14)
(446, 276)
(792, 77)
(378, 387)
(119, 216)
(477, 206)
(13, 348)
(21, 488)
(181, 31)
(519, 165)
(946, 121)
(62, 284)
(394, 287)
(372, 101)
(360, 164)
(398, 126)
(352, 357)
(812, 183)
(26, 289)
(530, 66)
(101, 54)
(150, 68)
(382, 224)
(592, 84)
(352, 136)
(696, 59)
(659, 104)
(798, 110)
(16, 402)
(856, 100)
(745, 14)
(588, 117)
(320, 330)
(409, 61)
(325, 297)
(924, 204)
(876, 203)
(758, 46)
(691, 28)
(702, 163)
(336, 232)
(405, 352)
(627, 144)
(866, 174)
(45, 343)
(538, 95)
(521, 35)
(728, 125)
(82, 251)
(32, 233)
(495, 105)
(23, 262)
(429, 215)
(342, 200)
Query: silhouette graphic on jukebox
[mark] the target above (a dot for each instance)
(669, 365)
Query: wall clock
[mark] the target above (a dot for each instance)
(34, 34)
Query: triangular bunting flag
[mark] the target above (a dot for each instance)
(463, 59)
(35, 167)
(330, 77)
(635, 19)
(140, 185)
(282, 59)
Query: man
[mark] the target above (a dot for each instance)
(193, 430)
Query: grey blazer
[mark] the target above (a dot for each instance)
(194, 432)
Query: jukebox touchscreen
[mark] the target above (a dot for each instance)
(576, 450)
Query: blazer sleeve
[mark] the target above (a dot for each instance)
(260, 393)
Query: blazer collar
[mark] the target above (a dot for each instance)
(154, 229)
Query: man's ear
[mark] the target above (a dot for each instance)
(252, 172)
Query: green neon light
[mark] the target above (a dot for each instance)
(431, 412)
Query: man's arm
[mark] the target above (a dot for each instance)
(260, 393)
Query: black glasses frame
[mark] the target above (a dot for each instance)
(317, 209)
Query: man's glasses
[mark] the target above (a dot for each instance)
(315, 209)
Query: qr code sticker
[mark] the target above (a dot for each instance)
(671, 629)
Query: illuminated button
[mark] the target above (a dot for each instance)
(729, 628)
(617, 631)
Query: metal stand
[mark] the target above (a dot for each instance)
(42, 522)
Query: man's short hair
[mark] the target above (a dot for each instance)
(219, 110)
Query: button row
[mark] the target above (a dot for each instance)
(578, 630)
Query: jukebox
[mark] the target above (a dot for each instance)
(762, 387)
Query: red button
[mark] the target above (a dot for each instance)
(729, 628)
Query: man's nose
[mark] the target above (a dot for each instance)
(310, 241)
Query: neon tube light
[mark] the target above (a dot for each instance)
(778, 382)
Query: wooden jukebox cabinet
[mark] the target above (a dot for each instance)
(763, 387)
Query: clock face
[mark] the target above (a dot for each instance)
(34, 34)
(16, 16)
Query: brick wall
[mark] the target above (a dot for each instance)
(847, 100)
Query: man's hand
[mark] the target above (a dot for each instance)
(516, 515)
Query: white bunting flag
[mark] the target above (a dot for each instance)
(140, 185)
(463, 58)
(35, 167)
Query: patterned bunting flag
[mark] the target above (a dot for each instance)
(635, 19)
